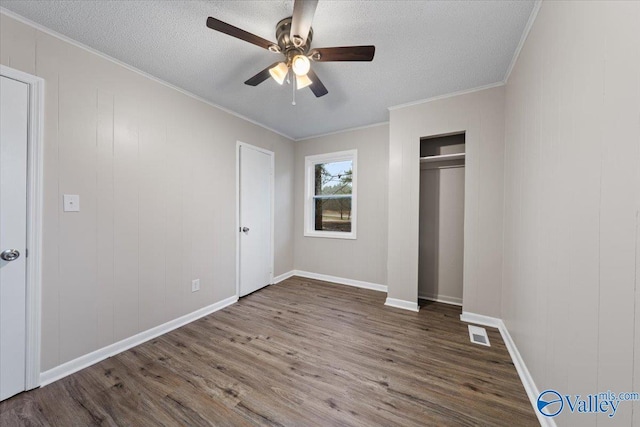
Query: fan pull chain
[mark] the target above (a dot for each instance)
(293, 102)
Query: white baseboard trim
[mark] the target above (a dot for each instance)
(87, 360)
(399, 303)
(282, 277)
(524, 374)
(443, 299)
(479, 319)
(392, 302)
(339, 280)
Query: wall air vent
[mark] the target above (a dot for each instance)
(478, 335)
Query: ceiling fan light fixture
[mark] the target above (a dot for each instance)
(302, 81)
(294, 35)
(279, 72)
(300, 65)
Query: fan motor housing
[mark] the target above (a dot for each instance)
(287, 46)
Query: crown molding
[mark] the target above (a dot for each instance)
(523, 39)
(446, 95)
(342, 131)
(102, 55)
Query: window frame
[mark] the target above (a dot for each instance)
(310, 163)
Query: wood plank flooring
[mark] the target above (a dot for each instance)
(300, 353)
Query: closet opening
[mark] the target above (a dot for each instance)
(441, 232)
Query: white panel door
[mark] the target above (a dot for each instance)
(256, 259)
(14, 104)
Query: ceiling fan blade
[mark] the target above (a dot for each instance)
(348, 53)
(261, 76)
(316, 86)
(223, 27)
(303, 11)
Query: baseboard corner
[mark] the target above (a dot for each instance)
(283, 277)
(442, 299)
(480, 319)
(399, 303)
(341, 280)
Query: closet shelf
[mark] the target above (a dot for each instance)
(442, 157)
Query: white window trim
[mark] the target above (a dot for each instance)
(309, 190)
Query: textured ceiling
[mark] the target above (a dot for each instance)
(423, 49)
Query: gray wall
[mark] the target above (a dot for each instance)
(155, 171)
(441, 233)
(481, 115)
(362, 259)
(571, 297)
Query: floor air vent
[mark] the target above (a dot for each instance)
(478, 335)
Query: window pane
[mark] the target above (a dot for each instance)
(333, 214)
(333, 178)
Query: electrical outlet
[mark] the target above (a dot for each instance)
(195, 285)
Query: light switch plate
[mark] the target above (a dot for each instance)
(195, 285)
(71, 202)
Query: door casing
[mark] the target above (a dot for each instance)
(271, 154)
(34, 220)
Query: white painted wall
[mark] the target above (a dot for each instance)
(441, 243)
(481, 115)
(155, 171)
(364, 258)
(571, 296)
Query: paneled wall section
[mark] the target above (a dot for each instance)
(571, 298)
(481, 115)
(364, 258)
(155, 171)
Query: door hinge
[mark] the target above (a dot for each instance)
(26, 252)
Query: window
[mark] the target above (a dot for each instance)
(330, 195)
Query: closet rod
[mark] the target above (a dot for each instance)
(442, 157)
(441, 167)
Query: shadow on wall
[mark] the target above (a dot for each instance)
(428, 284)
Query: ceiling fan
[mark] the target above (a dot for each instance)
(294, 35)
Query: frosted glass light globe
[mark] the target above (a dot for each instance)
(300, 65)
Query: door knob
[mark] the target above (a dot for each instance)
(245, 229)
(10, 255)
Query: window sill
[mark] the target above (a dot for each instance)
(331, 235)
